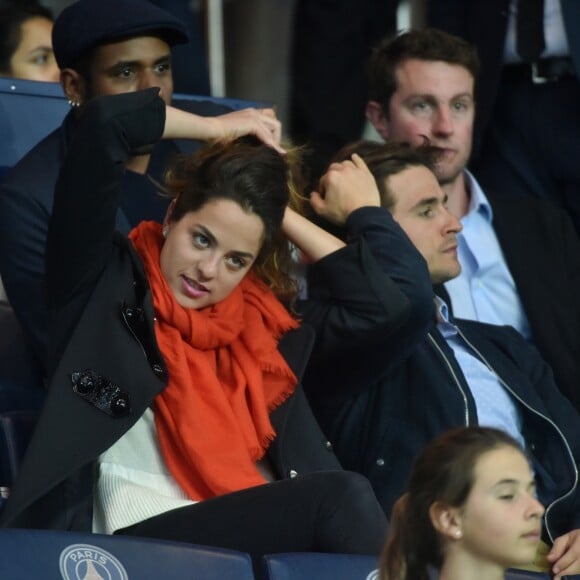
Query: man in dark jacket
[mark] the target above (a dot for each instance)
(527, 95)
(520, 257)
(379, 406)
(102, 47)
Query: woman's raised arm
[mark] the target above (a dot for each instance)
(345, 187)
(259, 122)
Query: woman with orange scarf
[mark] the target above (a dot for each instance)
(175, 409)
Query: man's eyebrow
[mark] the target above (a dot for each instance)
(433, 99)
(425, 96)
(164, 58)
(425, 202)
(123, 63)
(462, 96)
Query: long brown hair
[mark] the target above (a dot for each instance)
(444, 471)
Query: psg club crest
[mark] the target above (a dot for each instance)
(86, 562)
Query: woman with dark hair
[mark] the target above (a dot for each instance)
(26, 43)
(174, 408)
(470, 510)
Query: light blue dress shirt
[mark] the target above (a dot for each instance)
(494, 405)
(485, 289)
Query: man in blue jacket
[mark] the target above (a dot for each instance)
(423, 87)
(380, 406)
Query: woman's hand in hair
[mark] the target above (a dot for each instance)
(262, 123)
(259, 122)
(345, 187)
(565, 555)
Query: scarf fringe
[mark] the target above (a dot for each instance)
(205, 415)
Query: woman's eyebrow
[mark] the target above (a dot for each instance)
(213, 240)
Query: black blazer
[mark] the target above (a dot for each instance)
(114, 348)
(542, 252)
(105, 367)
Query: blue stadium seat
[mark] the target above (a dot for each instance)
(30, 110)
(316, 566)
(52, 555)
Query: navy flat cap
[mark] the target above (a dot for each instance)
(89, 23)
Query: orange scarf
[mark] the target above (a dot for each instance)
(225, 376)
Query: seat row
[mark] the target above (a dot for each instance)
(75, 556)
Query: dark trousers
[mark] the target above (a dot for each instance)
(532, 146)
(334, 511)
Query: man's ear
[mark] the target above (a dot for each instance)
(73, 86)
(446, 520)
(378, 119)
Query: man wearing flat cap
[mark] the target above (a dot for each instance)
(102, 47)
(109, 46)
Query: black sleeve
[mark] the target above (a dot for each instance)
(88, 190)
(369, 303)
